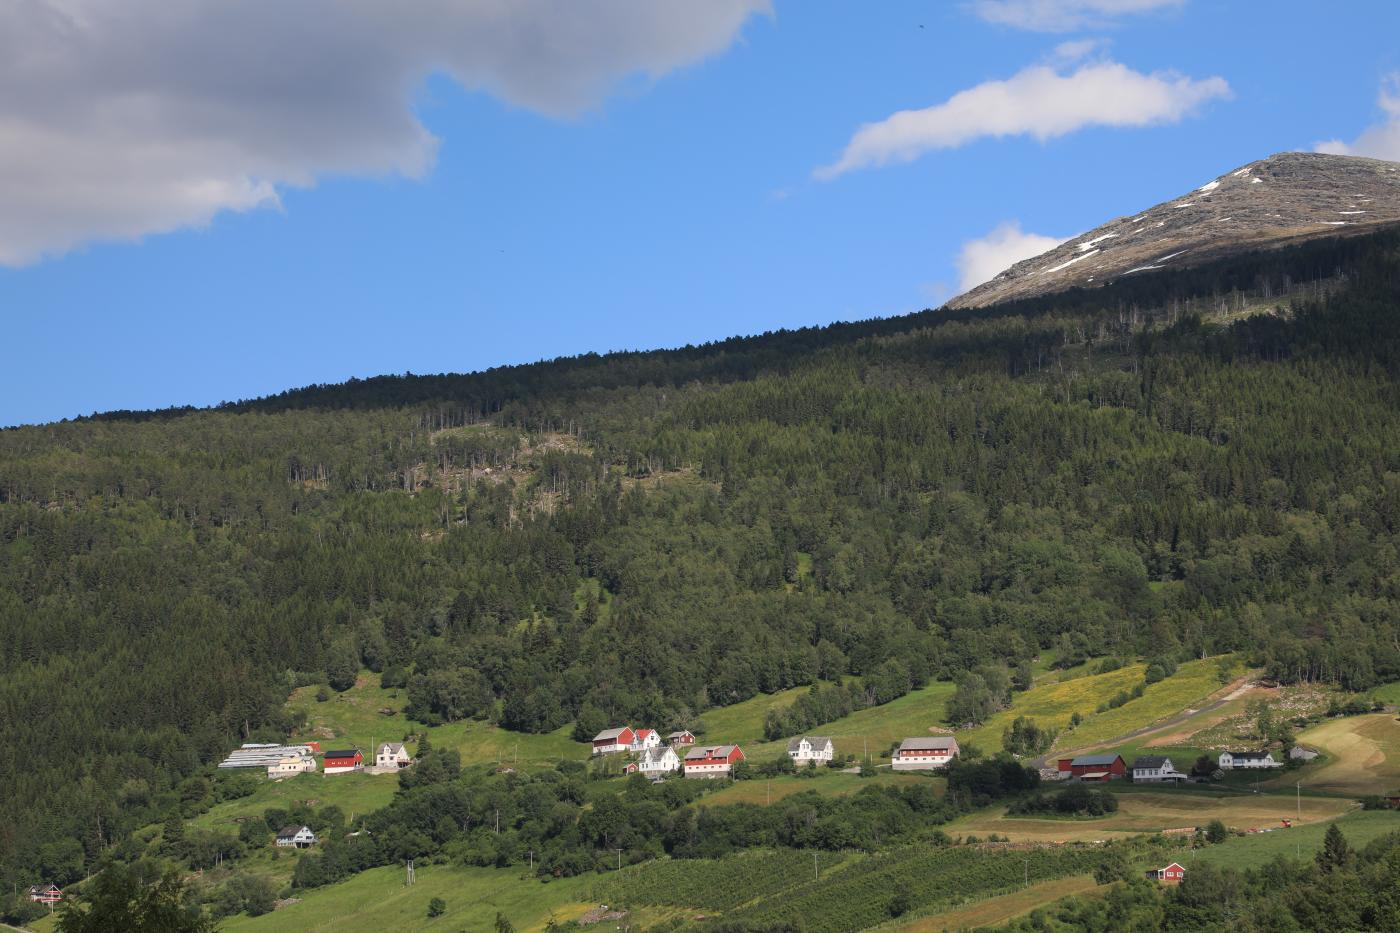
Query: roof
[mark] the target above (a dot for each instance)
(608, 734)
(1252, 756)
(710, 751)
(393, 747)
(1092, 761)
(817, 741)
(1095, 774)
(929, 744)
(643, 733)
(36, 888)
(681, 733)
(343, 753)
(286, 832)
(1152, 762)
(656, 754)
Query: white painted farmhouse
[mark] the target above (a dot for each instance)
(392, 755)
(1155, 769)
(1234, 761)
(290, 766)
(656, 761)
(807, 748)
(643, 739)
(300, 837)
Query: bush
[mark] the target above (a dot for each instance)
(1216, 832)
(437, 907)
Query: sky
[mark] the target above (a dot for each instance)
(229, 200)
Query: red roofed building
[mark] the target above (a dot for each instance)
(644, 739)
(712, 761)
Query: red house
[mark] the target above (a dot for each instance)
(1094, 767)
(614, 740)
(712, 761)
(1172, 874)
(339, 762)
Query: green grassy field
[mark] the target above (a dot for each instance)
(1363, 756)
(378, 900)
(1054, 701)
(1259, 849)
(1388, 693)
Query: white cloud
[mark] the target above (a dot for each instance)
(1063, 15)
(122, 118)
(981, 259)
(1038, 102)
(1382, 140)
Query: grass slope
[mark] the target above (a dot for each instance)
(1363, 756)
(1253, 851)
(995, 911)
(378, 900)
(827, 783)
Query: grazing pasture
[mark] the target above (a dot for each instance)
(1363, 756)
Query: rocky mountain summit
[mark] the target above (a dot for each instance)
(1274, 202)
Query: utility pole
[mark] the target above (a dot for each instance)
(412, 877)
(532, 860)
(815, 874)
(619, 859)
(1026, 880)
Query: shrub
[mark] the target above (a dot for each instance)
(437, 907)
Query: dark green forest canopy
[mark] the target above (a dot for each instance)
(1137, 469)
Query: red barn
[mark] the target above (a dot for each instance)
(712, 761)
(339, 762)
(1094, 767)
(1172, 874)
(613, 740)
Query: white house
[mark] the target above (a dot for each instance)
(1234, 761)
(1302, 753)
(291, 765)
(712, 761)
(644, 739)
(1155, 768)
(807, 748)
(392, 755)
(924, 754)
(300, 837)
(656, 761)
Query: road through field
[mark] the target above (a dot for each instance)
(1224, 695)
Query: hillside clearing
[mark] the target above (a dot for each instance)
(998, 910)
(1363, 756)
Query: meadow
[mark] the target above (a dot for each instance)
(1147, 812)
(828, 783)
(1363, 756)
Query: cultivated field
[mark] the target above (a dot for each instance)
(827, 783)
(998, 910)
(1363, 756)
(378, 900)
(1153, 812)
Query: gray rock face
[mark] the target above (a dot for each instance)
(1274, 202)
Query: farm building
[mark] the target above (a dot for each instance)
(712, 761)
(655, 761)
(344, 761)
(1172, 874)
(291, 766)
(683, 737)
(1302, 753)
(924, 754)
(277, 761)
(1093, 768)
(1155, 768)
(807, 748)
(300, 837)
(392, 755)
(49, 894)
(643, 739)
(611, 741)
(1235, 761)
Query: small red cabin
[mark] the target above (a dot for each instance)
(1172, 874)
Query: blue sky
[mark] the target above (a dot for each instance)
(658, 192)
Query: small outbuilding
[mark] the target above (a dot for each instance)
(1171, 874)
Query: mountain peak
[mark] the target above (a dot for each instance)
(1287, 197)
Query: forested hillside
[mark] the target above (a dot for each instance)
(1177, 466)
